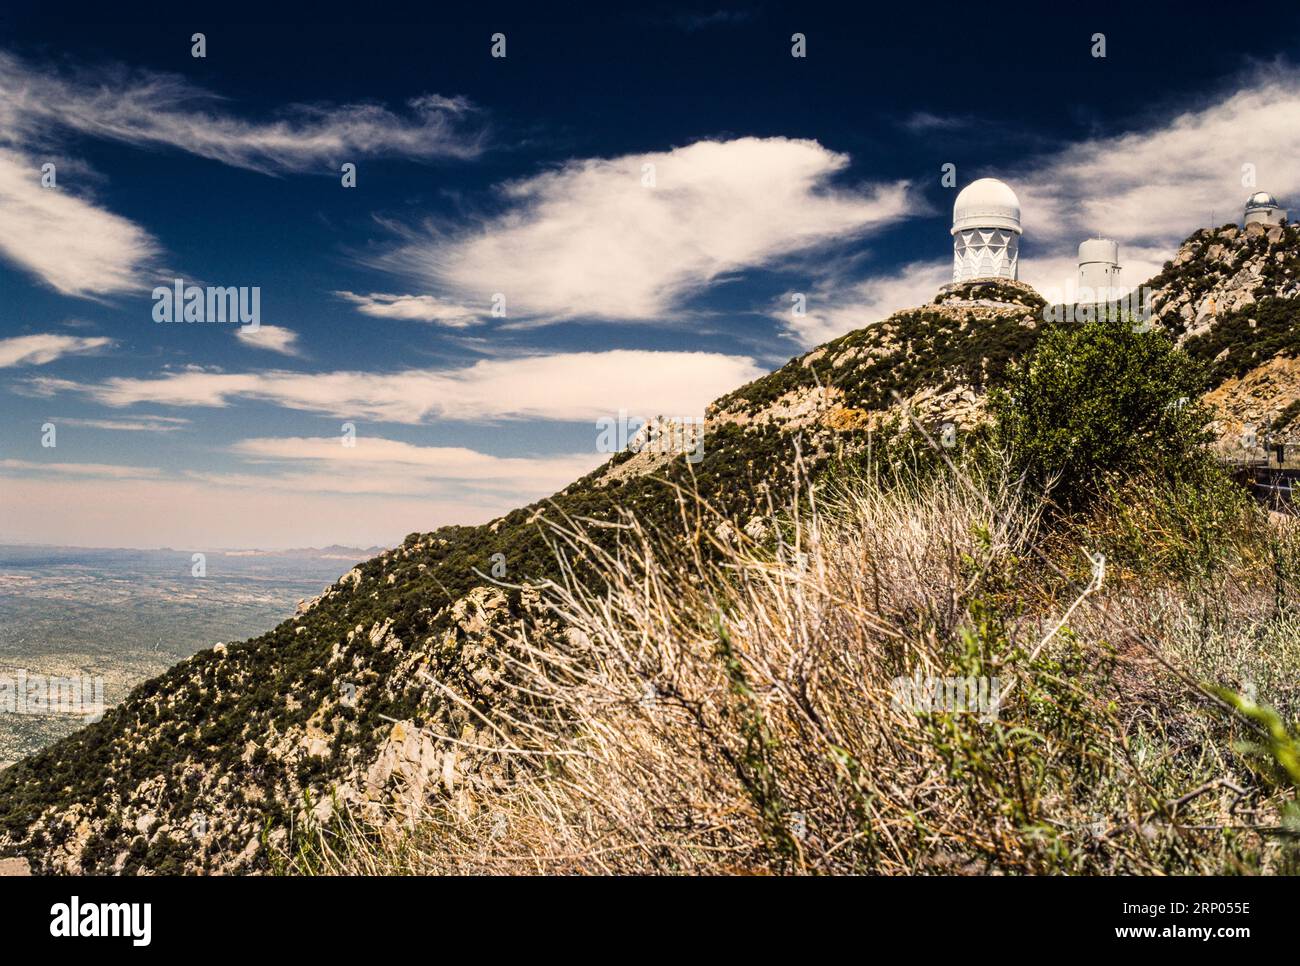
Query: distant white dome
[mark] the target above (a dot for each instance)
(1262, 208)
(1099, 250)
(1261, 199)
(986, 203)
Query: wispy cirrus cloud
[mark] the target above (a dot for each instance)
(145, 424)
(414, 308)
(37, 350)
(925, 122)
(376, 464)
(560, 386)
(167, 111)
(595, 239)
(63, 237)
(106, 470)
(693, 22)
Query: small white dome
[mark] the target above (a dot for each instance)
(1099, 250)
(986, 203)
(1261, 199)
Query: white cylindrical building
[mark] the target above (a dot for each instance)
(1263, 208)
(985, 232)
(1098, 270)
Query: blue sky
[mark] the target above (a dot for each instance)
(526, 177)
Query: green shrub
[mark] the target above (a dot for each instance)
(1102, 398)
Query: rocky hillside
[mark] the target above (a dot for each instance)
(374, 694)
(1232, 297)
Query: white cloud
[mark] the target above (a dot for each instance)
(589, 240)
(77, 248)
(37, 350)
(151, 109)
(1151, 188)
(377, 465)
(562, 386)
(108, 470)
(452, 462)
(273, 338)
(416, 308)
(145, 424)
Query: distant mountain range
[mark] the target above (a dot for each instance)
(332, 551)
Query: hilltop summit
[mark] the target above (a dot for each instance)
(205, 767)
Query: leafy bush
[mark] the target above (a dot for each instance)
(1098, 399)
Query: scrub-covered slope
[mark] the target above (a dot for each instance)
(206, 767)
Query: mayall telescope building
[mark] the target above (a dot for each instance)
(1098, 269)
(986, 232)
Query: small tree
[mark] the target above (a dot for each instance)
(1102, 398)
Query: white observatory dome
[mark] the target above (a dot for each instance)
(1099, 250)
(985, 232)
(986, 203)
(1261, 199)
(1262, 208)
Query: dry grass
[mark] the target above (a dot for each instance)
(727, 705)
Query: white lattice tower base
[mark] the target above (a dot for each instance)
(985, 253)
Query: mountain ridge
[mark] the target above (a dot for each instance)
(207, 766)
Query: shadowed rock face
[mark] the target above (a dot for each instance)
(373, 695)
(1262, 402)
(1231, 296)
